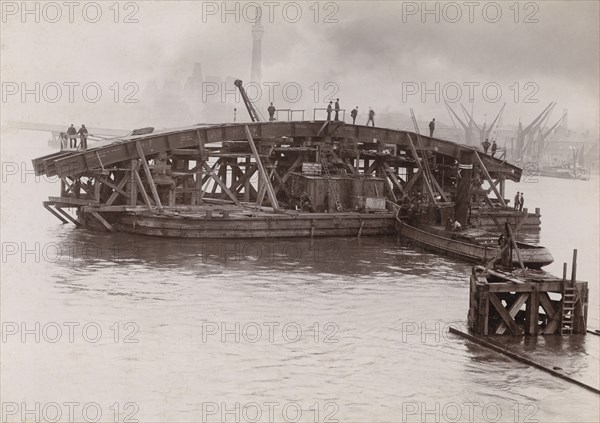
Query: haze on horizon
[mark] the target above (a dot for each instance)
(371, 51)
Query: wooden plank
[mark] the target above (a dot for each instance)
(514, 356)
(532, 316)
(513, 310)
(218, 180)
(142, 157)
(132, 183)
(68, 216)
(118, 189)
(553, 315)
(512, 325)
(263, 174)
(102, 221)
(490, 180)
(412, 181)
(393, 177)
(47, 205)
(142, 189)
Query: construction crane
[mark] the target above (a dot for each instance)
(249, 106)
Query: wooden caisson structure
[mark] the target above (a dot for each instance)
(526, 303)
(266, 179)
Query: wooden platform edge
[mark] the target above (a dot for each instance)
(522, 359)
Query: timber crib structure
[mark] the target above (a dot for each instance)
(532, 303)
(266, 179)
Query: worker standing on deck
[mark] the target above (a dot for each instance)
(337, 109)
(353, 114)
(271, 111)
(494, 148)
(371, 117)
(521, 202)
(431, 127)
(83, 133)
(517, 201)
(71, 132)
(486, 145)
(329, 109)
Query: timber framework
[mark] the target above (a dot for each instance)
(304, 178)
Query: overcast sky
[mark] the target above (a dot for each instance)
(371, 50)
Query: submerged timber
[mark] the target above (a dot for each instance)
(273, 179)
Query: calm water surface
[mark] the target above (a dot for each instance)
(340, 329)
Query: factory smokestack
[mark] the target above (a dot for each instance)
(257, 34)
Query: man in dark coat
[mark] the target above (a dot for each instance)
(71, 132)
(337, 109)
(271, 111)
(371, 117)
(517, 201)
(494, 148)
(431, 127)
(329, 109)
(83, 133)
(521, 202)
(353, 114)
(486, 145)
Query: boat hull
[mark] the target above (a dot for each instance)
(533, 257)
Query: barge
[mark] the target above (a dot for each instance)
(270, 179)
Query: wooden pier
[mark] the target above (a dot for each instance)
(527, 302)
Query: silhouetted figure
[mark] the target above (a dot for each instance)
(271, 111)
(486, 145)
(83, 133)
(431, 127)
(371, 117)
(337, 109)
(353, 114)
(494, 148)
(517, 201)
(71, 132)
(521, 202)
(329, 109)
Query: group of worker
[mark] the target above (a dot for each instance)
(519, 201)
(486, 145)
(332, 108)
(353, 113)
(72, 133)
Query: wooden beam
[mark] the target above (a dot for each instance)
(489, 179)
(103, 221)
(132, 183)
(47, 204)
(512, 325)
(513, 310)
(263, 174)
(68, 216)
(142, 189)
(218, 180)
(140, 152)
(411, 182)
(118, 189)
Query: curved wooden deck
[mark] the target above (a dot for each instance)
(282, 133)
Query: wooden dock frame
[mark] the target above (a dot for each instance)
(246, 166)
(519, 303)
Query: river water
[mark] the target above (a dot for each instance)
(113, 327)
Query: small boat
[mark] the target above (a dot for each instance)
(473, 245)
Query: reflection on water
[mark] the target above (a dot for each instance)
(365, 324)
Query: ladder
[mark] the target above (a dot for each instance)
(332, 187)
(568, 309)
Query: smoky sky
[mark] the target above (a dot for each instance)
(369, 49)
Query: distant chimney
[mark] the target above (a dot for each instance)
(257, 34)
